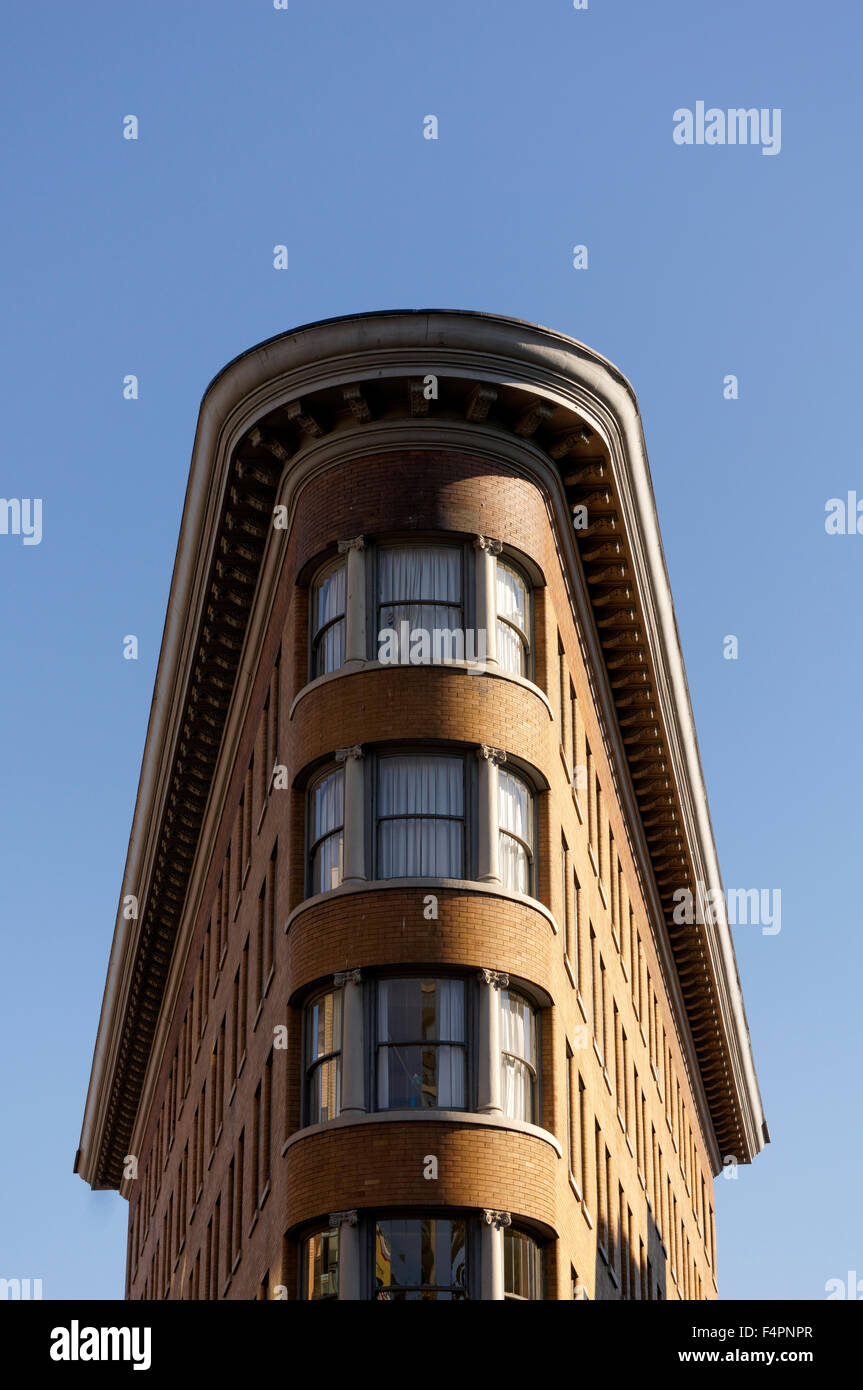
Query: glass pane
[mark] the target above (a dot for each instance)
(514, 806)
(510, 650)
(517, 1026)
(329, 807)
(419, 574)
(516, 1083)
(322, 1265)
(420, 1254)
(417, 1010)
(514, 864)
(330, 649)
(325, 1025)
(511, 596)
(420, 849)
(522, 1264)
(327, 864)
(415, 1077)
(421, 786)
(325, 1091)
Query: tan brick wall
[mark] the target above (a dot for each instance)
(415, 492)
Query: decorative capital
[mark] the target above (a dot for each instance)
(491, 755)
(343, 1218)
(342, 754)
(358, 543)
(498, 979)
(487, 544)
(347, 977)
(498, 1219)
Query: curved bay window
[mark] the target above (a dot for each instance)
(323, 1057)
(326, 851)
(515, 833)
(419, 589)
(422, 1259)
(327, 619)
(420, 811)
(513, 621)
(518, 1059)
(522, 1266)
(421, 1046)
(321, 1265)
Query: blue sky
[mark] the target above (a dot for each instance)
(155, 257)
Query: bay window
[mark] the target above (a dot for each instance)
(421, 1048)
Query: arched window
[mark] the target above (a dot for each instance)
(327, 619)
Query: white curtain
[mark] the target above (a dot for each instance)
(410, 1074)
(517, 1037)
(420, 787)
(514, 809)
(511, 605)
(328, 603)
(419, 585)
(329, 817)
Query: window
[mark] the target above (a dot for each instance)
(321, 1265)
(420, 817)
(422, 1259)
(513, 621)
(420, 587)
(323, 1057)
(522, 1266)
(421, 1057)
(328, 619)
(518, 1056)
(515, 833)
(328, 820)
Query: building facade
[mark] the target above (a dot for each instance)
(398, 1005)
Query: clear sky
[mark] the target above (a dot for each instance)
(304, 127)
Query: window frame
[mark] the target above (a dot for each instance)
(527, 638)
(535, 1117)
(312, 1066)
(510, 770)
(467, 818)
(312, 845)
(315, 635)
(468, 1046)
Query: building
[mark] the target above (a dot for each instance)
(397, 1005)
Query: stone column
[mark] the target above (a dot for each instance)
(489, 857)
(488, 1059)
(353, 1096)
(486, 593)
(349, 1253)
(491, 1254)
(355, 598)
(354, 856)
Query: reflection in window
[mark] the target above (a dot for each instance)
(515, 822)
(522, 1266)
(420, 586)
(421, 1055)
(321, 1262)
(328, 818)
(323, 1054)
(420, 817)
(518, 1060)
(420, 1260)
(512, 620)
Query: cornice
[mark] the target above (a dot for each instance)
(330, 372)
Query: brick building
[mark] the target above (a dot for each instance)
(397, 1005)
